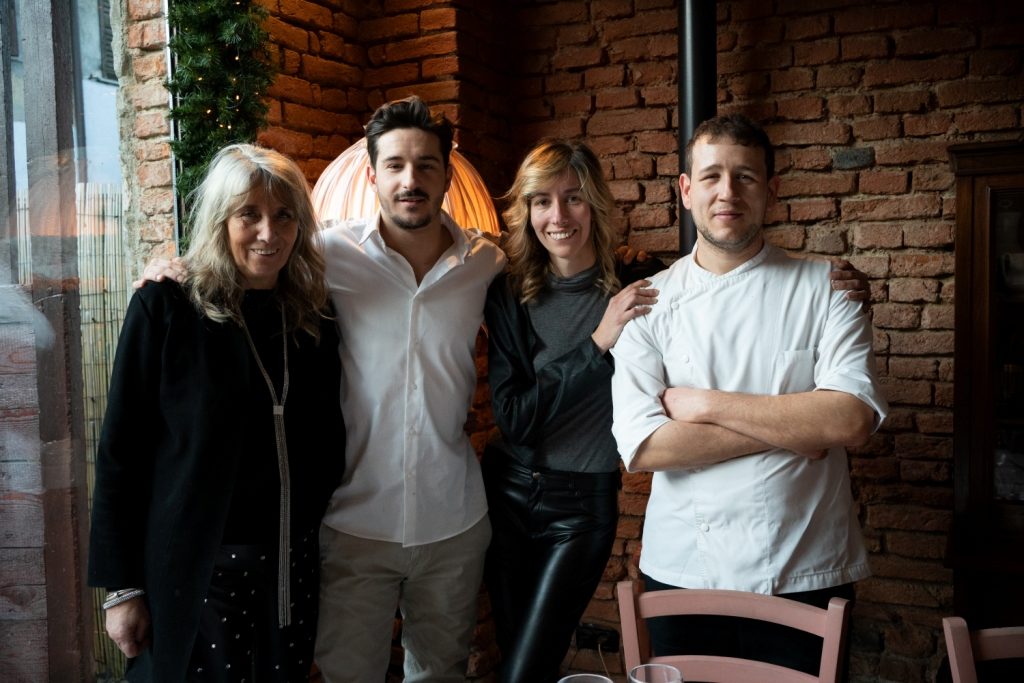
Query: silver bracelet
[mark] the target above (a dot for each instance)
(123, 595)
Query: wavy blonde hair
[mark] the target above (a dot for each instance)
(214, 283)
(543, 165)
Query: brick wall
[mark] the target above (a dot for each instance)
(863, 99)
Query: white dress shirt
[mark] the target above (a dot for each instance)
(408, 379)
(772, 522)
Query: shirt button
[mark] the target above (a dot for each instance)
(536, 475)
(705, 527)
(413, 385)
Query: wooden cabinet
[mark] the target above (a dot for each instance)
(987, 543)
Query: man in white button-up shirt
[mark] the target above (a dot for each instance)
(739, 390)
(408, 526)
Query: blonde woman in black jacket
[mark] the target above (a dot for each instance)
(223, 441)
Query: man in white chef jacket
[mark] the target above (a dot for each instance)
(740, 390)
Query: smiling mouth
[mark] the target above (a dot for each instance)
(265, 252)
(561, 235)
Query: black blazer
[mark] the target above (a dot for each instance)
(170, 450)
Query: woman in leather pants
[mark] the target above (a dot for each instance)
(553, 476)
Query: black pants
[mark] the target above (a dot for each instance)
(552, 535)
(239, 639)
(746, 638)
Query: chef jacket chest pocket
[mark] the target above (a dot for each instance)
(793, 371)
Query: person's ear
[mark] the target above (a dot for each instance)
(684, 190)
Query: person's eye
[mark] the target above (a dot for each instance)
(574, 199)
(285, 215)
(539, 202)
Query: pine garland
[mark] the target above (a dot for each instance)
(222, 70)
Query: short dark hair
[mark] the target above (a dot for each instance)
(740, 130)
(412, 112)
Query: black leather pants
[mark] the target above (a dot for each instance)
(552, 535)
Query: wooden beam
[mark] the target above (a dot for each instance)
(49, 112)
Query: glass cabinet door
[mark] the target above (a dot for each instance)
(1007, 301)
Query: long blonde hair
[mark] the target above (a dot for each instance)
(544, 164)
(214, 283)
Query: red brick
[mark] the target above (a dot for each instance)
(883, 182)
(908, 518)
(816, 184)
(573, 104)
(655, 241)
(749, 85)
(910, 152)
(896, 316)
(822, 240)
(932, 41)
(791, 238)
(849, 105)
(877, 128)
(971, 92)
(159, 228)
(909, 368)
(934, 123)
(938, 317)
(603, 77)
(778, 212)
(877, 236)
(631, 50)
(832, 132)
(874, 468)
(792, 79)
(303, 12)
(625, 190)
(287, 35)
(912, 289)
(432, 93)
(667, 95)
(154, 174)
(559, 128)
(911, 206)
(332, 45)
(575, 35)
(440, 66)
(902, 72)
(649, 73)
(920, 545)
(151, 124)
(150, 34)
(922, 446)
(156, 200)
(819, 52)
(753, 60)
(657, 142)
(801, 108)
(149, 65)
(921, 343)
(627, 121)
(610, 144)
(437, 19)
(802, 28)
(144, 9)
(293, 89)
(563, 82)
(806, 159)
(986, 119)
(299, 117)
(150, 95)
(649, 217)
(659, 191)
(935, 423)
(434, 45)
(915, 570)
(331, 73)
(575, 57)
(839, 76)
(611, 9)
(726, 40)
(928, 235)
(868, 46)
(617, 98)
(533, 109)
(632, 166)
(642, 24)
(902, 101)
(1003, 34)
(922, 265)
(812, 210)
(292, 143)
(668, 165)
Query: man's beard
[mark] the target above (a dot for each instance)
(415, 223)
(733, 246)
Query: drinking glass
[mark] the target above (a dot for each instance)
(655, 673)
(585, 678)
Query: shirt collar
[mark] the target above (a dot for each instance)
(751, 263)
(460, 245)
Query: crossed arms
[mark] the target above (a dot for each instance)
(709, 426)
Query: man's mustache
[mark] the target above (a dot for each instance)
(411, 194)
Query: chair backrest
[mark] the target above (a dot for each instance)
(966, 647)
(830, 624)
